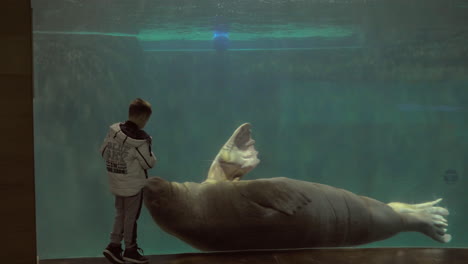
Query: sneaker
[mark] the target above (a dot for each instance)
(113, 253)
(133, 255)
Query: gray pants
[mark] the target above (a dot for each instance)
(125, 224)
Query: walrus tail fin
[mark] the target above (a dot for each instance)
(426, 218)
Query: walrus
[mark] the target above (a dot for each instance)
(226, 213)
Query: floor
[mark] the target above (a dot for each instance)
(306, 256)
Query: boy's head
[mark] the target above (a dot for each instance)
(139, 112)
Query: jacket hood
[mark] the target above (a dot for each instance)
(122, 138)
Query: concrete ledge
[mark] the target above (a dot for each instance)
(306, 256)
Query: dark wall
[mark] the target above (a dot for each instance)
(16, 126)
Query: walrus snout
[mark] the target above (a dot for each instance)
(157, 187)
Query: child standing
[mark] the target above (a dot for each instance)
(127, 152)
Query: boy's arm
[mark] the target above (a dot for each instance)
(145, 156)
(103, 147)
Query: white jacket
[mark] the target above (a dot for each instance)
(127, 160)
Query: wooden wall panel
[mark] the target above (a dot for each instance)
(17, 195)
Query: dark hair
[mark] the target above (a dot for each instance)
(139, 107)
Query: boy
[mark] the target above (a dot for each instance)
(127, 152)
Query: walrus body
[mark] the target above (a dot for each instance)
(236, 215)
(226, 213)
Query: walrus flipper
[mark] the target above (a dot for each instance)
(236, 158)
(276, 193)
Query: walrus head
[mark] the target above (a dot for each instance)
(236, 158)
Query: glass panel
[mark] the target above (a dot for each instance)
(366, 95)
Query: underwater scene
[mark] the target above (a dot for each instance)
(370, 96)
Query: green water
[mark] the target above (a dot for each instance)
(380, 110)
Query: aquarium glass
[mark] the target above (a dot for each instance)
(365, 95)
